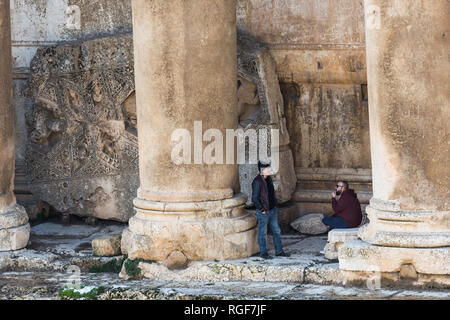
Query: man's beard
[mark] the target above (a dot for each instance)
(338, 193)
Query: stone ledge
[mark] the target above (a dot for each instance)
(357, 255)
(301, 268)
(296, 269)
(336, 238)
(30, 260)
(324, 196)
(47, 285)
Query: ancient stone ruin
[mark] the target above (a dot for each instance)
(91, 100)
(82, 150)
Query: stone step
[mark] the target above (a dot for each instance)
(334, 174)
(330, 185)
(336, 238)
(358, 255)
(324, 196)
(300, 268)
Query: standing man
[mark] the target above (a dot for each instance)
(263, 196)
(347, 211)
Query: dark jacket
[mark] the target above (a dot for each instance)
(348, 208)
(263, 193)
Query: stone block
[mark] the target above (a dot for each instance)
(310, 224)
(176, 260)
(336, 238)
(14, 238)
(12, 217)
(108, 245)
(125, 241)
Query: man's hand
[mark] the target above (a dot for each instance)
(264, 212)
(333, 195)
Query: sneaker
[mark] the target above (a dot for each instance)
(266, 256)
(283, 254)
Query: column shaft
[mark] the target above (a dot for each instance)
(186, 70)
(14, 227)
(186, 77)
(6, 110)
(409, 93)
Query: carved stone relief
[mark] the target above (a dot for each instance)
(82, 155)
(260, 106)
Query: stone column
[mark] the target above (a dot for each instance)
(408, 64)
(186, 70)
(14, 227)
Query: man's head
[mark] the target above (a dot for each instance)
(264, 168)
(341, 186)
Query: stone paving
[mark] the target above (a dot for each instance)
(43, 269)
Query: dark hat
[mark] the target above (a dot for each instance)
(262, 165)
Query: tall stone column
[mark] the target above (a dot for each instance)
(186, 70)
(408, 62)
(14, 227)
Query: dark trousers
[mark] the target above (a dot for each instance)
(270, 218)
(335, 222)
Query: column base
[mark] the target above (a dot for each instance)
(392, 227)
(357, 255)
(14, 228)
(206, 230)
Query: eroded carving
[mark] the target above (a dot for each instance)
(81, 159)
(260, 106)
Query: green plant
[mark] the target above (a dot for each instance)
(73, 293)
(112, 266)
(131, 267)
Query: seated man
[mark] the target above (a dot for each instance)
(347, 211)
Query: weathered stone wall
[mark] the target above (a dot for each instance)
(37, 23)
(319, 49)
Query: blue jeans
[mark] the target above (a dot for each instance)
(335, 222)
(270, 218)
